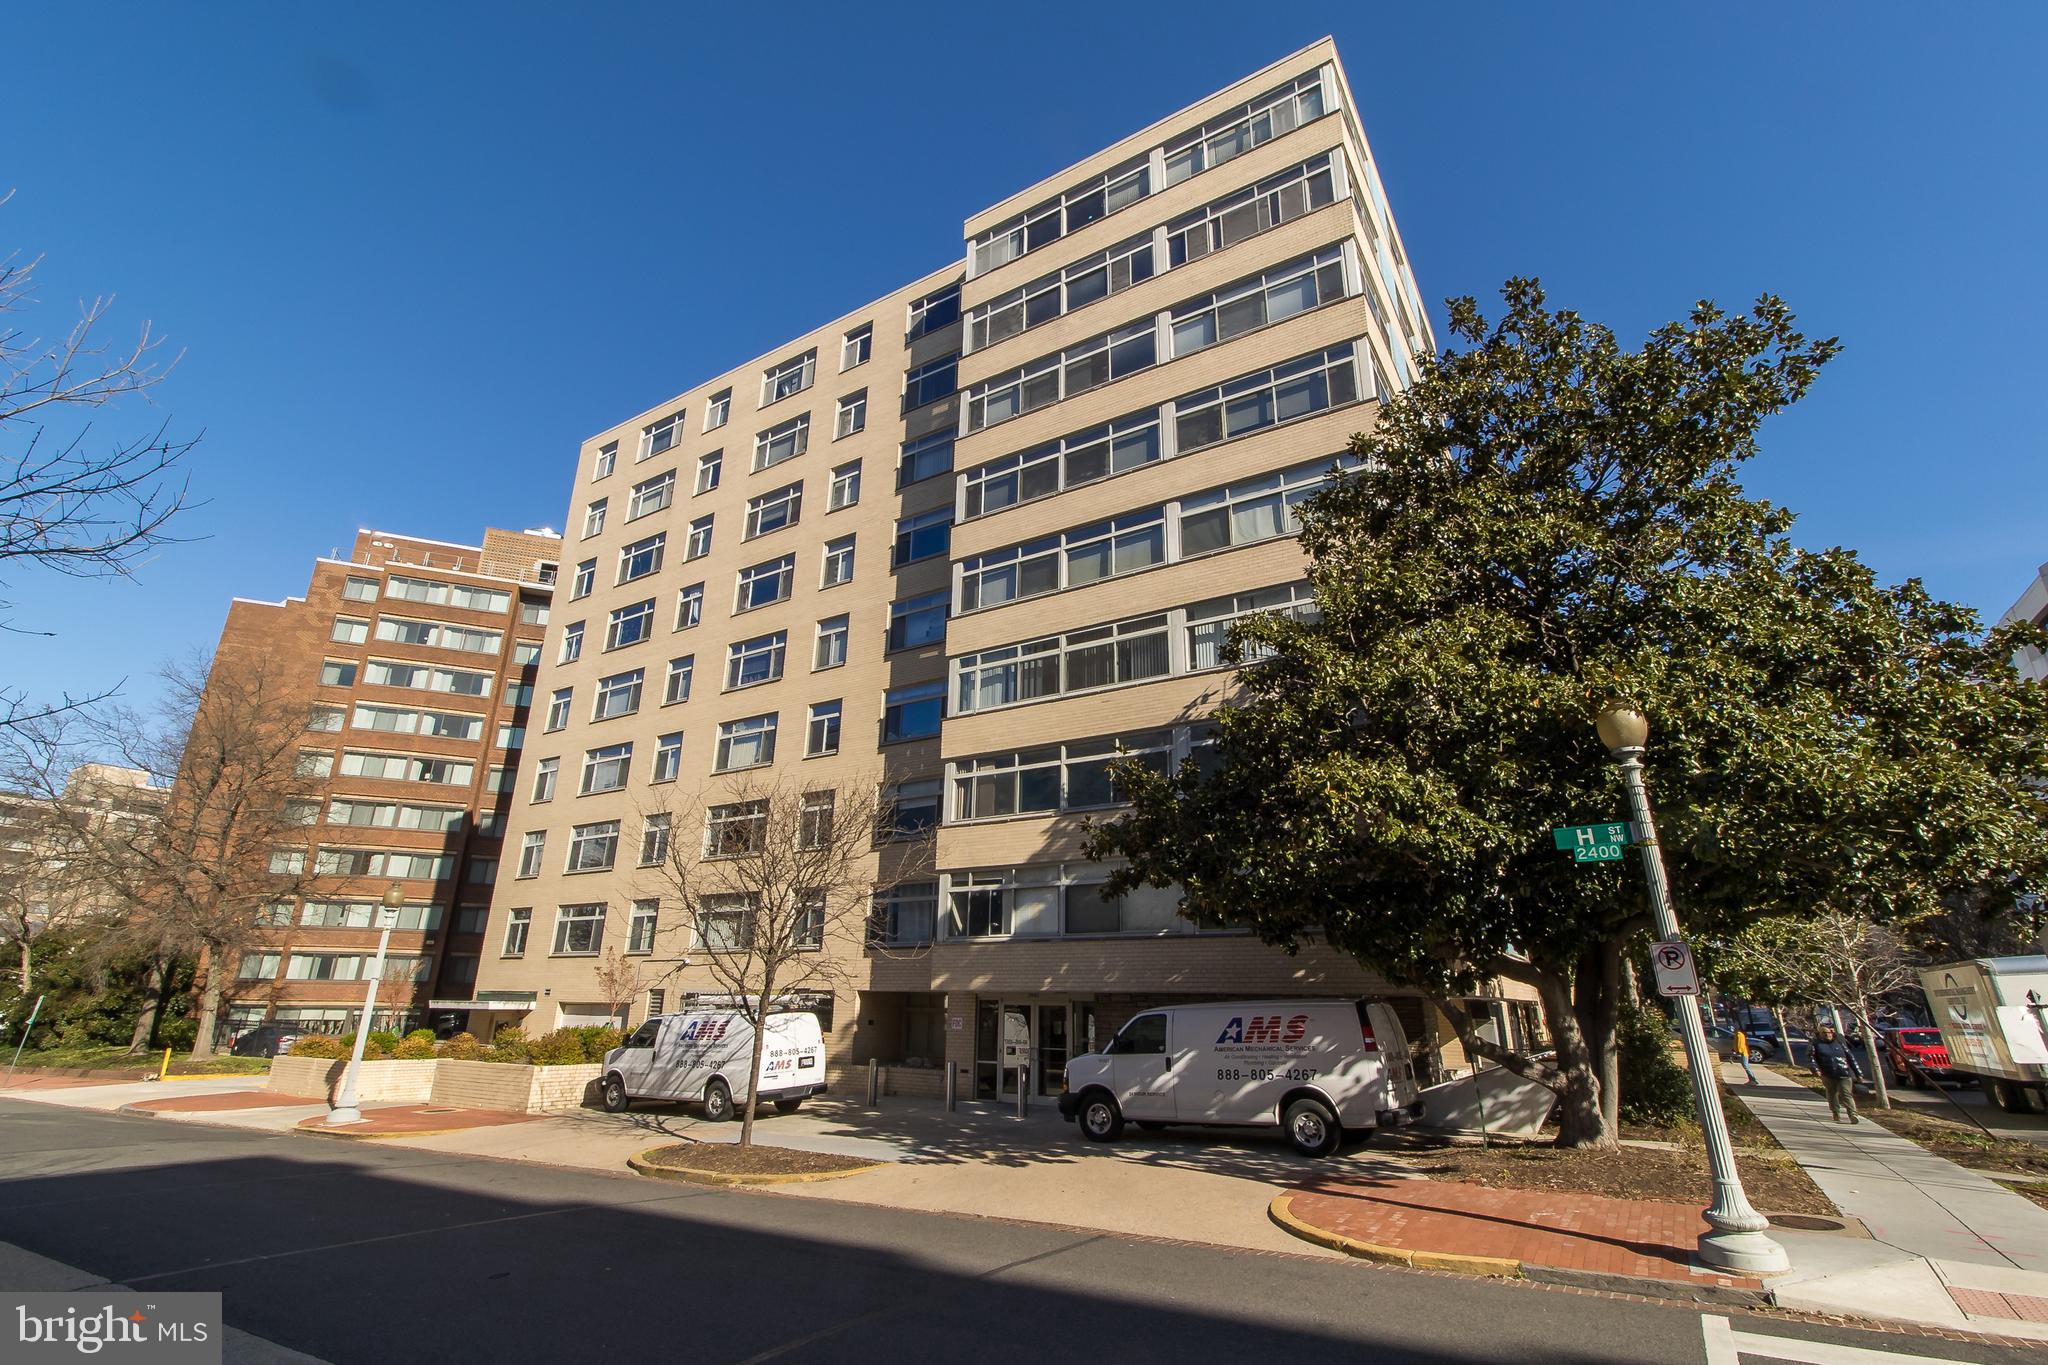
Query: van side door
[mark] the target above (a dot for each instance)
(1143, 1071)
(636, 1061)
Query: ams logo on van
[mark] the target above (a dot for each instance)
(705, 1030)
(1264, 1028)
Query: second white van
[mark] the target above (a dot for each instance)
(1317, 1069)
(701, 1056)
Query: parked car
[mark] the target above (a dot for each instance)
(700, 1056)
(1761, 1049)
(266, 1040)
(1317, 1069)
(1917, 1056)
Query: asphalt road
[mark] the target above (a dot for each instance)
(356, 1252)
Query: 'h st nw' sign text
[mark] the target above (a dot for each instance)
(1594, 843)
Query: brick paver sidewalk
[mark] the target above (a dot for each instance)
(230, 1099)
(412, 1120)
(1581, 1232)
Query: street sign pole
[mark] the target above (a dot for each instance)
(1737, 1240)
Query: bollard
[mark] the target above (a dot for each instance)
(952, 1086)
(165, 1069)
(874, 1083)
(1023, 1091)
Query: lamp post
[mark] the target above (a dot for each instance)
(1736, 1238)
(347, 1109)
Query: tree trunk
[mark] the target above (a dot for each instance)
(1784, 1034)
(760, 1046)
(26, 964)
(152, 1007)
(209, 1007)
(1870, 1054)
(1581, 1121)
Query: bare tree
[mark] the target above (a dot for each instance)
(779, 888)
(619, 980)
(225, 741)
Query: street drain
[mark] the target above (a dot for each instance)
(1805, 1222)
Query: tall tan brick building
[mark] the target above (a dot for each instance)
(968, 542)
(420, 658)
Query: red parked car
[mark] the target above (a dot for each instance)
(1917, 1056)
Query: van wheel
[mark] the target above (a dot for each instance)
(2008, 1097)
(616, 1100)
(1312, 1128)
(788, 1106)
(717, 1102)
(1101, 1120)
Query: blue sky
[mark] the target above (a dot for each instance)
(414, 254)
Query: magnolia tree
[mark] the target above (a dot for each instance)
(1545, 523)
(778, 882)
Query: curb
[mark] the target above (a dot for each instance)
(348, 1136)
(640, 1165)
(1495, 1267)
(1280, 1211)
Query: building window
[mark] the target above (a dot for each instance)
(748, 743)
(912, 712)
(774, 510)
(572, 642)
(758, 660)
(940, 308)
(810, 919)
(676, 687)
(558, 709)
(432, 592)
(544, 571)
(699, 543)
(325, 719)
(814, 820)
(831, 651)
(822, 734)
(1083, 457)
(783, 442)
(661, 435)
(1064, 374)
(654, 831)
(1045, 781)
(852, 415)
(709, 469)
(857, 346)
(911, 809)
(517, 921)
(1061, 292)
(531, 850)
(593, 519)
(1275, 200)
(510, 736)
(718, 410)
(259, 966)
(735, 830)
(1273, 296)
(845, 490)
(924, 536)
(348, 630)
(925, 458)
(362, 589)
(1081, 660)
(585, 580)
(1094, 198)
(604, 769)
(930, 382)
(337, 673)
(792, 376)
(642, 557)
(919, 621)
(689, 606)
(640, 926)
(607, 460)
(594, 847)
(433, 634)
(906, 916)
(725, 923)
(629, 625)
(579, 930)
(651, 495)
(618, 695)
(314, 763)
(668, 757)
(544, 779)
(532, 613)
(764, 585)
(838, 562)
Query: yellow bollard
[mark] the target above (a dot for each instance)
(165, 1069)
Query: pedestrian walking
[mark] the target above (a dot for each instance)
(1834, 1061)
(1740, 1047)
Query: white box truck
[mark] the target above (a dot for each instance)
(700, 1056)
(1317, 1069)
(1990, 1011)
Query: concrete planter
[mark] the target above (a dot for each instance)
(387, 1082)
(519, 1089)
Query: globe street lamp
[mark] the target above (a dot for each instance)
(347, 1109)
(1736, 1238)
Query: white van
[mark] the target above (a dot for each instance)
(1317, 1068)
(701, 1056)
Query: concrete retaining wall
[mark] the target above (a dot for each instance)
(519, 1089)
(389, 1082)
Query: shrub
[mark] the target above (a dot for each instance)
(414, 1048)
(1654, 1088)
(425, 1034)
(509, 1044)
(381, 1040)
(563, 1047)
(596, 1040)
(463, 1047)
(319, 1045)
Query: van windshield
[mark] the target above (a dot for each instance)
(1144, 1034)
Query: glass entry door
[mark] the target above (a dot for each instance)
(1015, 1059)
(1051, 1050)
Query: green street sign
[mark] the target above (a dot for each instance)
(1594, 843)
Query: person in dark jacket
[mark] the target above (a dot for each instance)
(1834, 1061)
